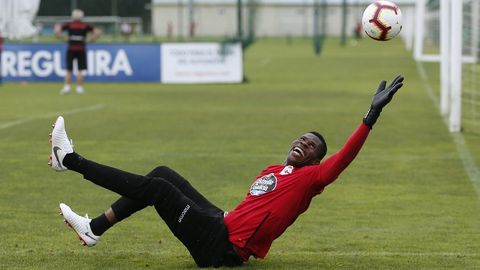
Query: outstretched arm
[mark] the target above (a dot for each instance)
(336, 163)
(58, 33)
(96, 33)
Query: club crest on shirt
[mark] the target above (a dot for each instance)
(287, 170)
(263, 185)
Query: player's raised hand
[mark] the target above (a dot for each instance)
(382, 97)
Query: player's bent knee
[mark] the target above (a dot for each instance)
(160, 171)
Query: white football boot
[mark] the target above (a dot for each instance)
(81, 225)
(80, 90)
(65, 89)
(61, 145)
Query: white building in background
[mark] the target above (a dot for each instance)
(273, 18)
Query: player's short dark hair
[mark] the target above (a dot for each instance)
(323, 148)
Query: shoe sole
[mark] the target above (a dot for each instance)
(50, 156)
(70, 226)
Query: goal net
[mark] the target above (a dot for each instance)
(448, 33)
(428, 31)
(470, 69)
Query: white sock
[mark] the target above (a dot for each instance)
(80, 89)
(66, 87)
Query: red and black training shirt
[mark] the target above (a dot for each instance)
(77, 34)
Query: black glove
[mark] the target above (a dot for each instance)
(382, 97)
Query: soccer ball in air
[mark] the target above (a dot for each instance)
(382, 20)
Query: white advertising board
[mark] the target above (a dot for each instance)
(201, 63)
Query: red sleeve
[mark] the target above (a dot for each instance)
(331, 168)
(90, 28)
(65, 26)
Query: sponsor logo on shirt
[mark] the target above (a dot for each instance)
(287, 170)
(263, 185)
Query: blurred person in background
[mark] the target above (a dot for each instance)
(77, 40)
(126, 30)
(358, 31)
(1, 50)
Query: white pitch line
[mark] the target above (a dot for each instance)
(388, 254)
(50, 115)
(468, 162)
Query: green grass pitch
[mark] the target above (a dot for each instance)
(406, 202)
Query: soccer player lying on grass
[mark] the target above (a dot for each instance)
(280, 193)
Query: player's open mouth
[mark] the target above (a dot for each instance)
(298, 150)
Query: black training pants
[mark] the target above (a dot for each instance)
(196, 222)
